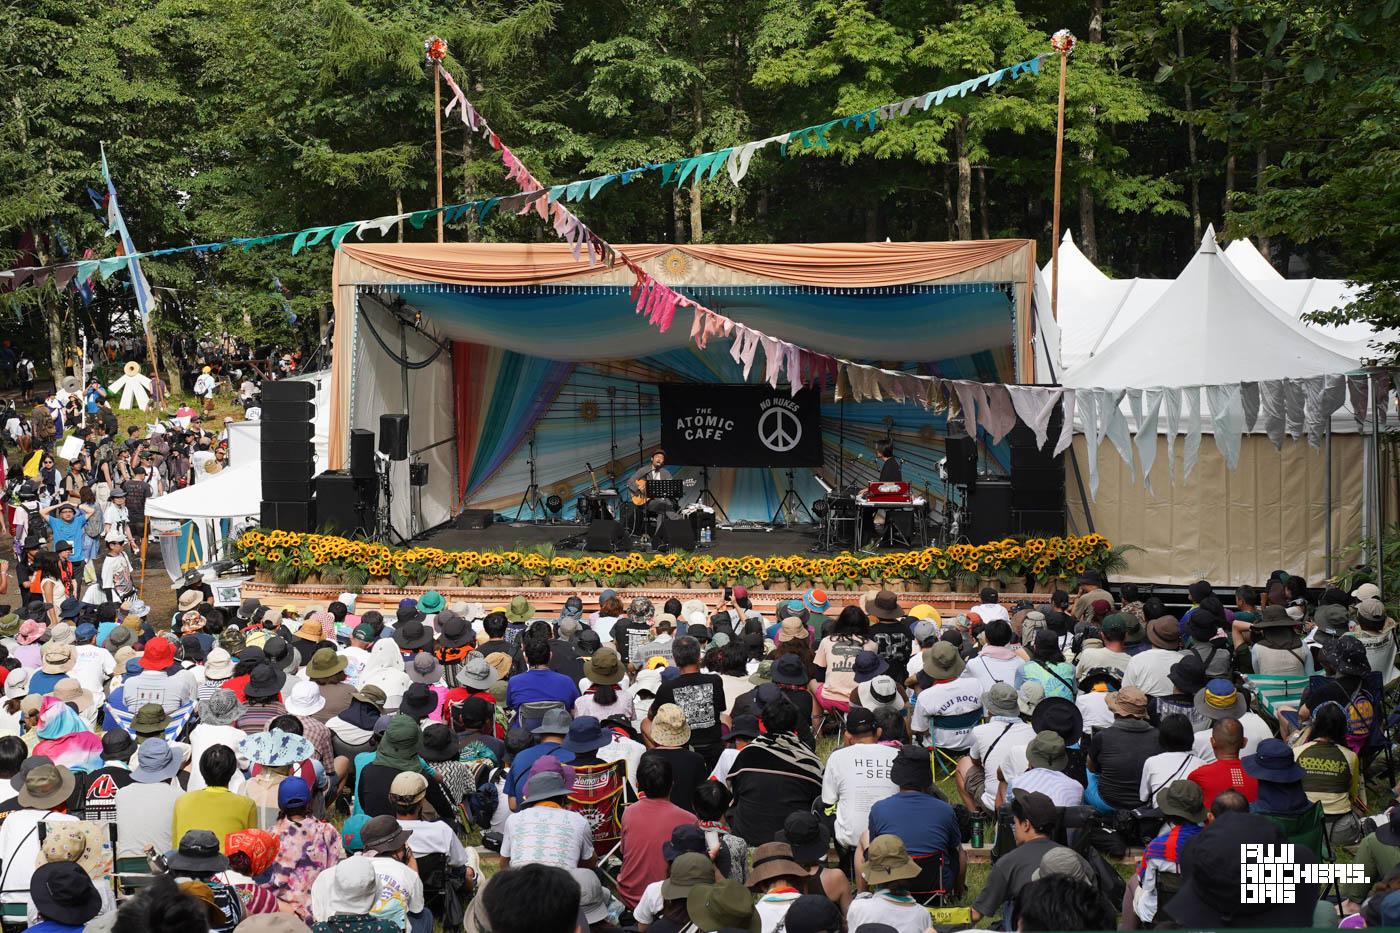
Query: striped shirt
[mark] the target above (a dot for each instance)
(258, 715)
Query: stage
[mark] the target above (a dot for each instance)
(759, 542)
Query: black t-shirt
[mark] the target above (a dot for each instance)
(564, 659)
(501, 646)
(701, 697)
(1118, 753)
(100, 792)
(895, 643)
(890, 471)
(628, 634)
(688, 772)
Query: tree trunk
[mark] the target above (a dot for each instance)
(697, 227)
(1190, 144)
(1230, 130)
(677, 216)
(468, 189)
(398, 209)
(964, 217)
(1261, 162)
(872, 224)
(982, 211)
(1088, 232)
(949, 210)
(697, 109)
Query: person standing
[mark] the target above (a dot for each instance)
(205, 387)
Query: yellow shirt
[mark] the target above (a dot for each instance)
(214, 809)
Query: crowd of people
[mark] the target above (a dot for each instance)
(621, 765)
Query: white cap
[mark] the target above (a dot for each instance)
(1366, 591)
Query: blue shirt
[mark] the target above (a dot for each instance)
(53, 926)
(515, 779)
(925, 824)
(70, 531)
(41, 683)
(537, 686)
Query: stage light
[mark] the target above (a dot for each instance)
(554, 504)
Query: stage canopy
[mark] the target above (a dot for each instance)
(516, 340)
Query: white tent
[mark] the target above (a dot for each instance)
(1252, 265)
(1076, 271)
(1209, 325)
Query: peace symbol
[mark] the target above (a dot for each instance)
(779, 429)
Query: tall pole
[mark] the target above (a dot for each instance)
(437, 50)
(437, 129)
(1062, 42)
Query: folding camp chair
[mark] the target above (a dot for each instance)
(930, 888)
(1274, 690)
(600, 794)
(120, 717)
(949, 757)
(530, 715)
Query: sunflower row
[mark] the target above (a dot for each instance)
(291, 557)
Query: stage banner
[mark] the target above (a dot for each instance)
(740, 426)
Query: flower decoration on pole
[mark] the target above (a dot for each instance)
(1063, 42)
(436, 49)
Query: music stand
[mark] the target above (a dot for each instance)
(706, 497)
(790, 502)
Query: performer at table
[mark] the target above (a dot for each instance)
(890, 470)
(874, 520)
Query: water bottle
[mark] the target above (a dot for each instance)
(977, 830)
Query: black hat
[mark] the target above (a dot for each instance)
(264, 681)
(1211, 869)
(1189, 674)
(686, 838)
(789, 669)
(117, 745)
(743, 727)
(912, 767)
(418, 701)
(1060, 716)
(1038, 809)
(868, 666)
(1348, 656)
(860, 721)
(198, 852)
(812, 913)
(439, 744)
(453, 630)
(806, 835)
(473, 711)
(63, 892)
(412, 635)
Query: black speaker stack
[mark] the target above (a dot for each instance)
(1037, 482)
(346, 503)
(288, 456)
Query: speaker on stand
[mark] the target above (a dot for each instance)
(393, 448)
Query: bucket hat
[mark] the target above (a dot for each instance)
(159, 655)
(942, 661)
(276, 749)
(30, 631)
(555, 722)
(1164, 632)
(383, 835)
(218, 665)
(424, 668)
(880, 693)
(519, 609)
(1273, 762)
(198, 852)
(725, 905)
(763, 674)
(604, 667)
(1184, 800)
(546, 785)
(669, 728)
(58, 659)
(431, 602)
(885, 606)
(774, 860)
(887, 860)
(1219, 699)
(788, 669)
(1347, 655)
(264, 682)
(439, 744)
(586, 733)
(1047, 750)
(805, 835)
(1188, 675)
(156, 762)
(221, 708)
(46, 786)
(816, 913)
(869, 665)
(1065, 862)
(418, 701)
(63, 893)
(325, 662)
(744, 726)
(70, 691)
(453, 630)
(1060, 716)
(687, 870)
(413, 635)
(1129, 703)
(150, 719)
(1001, 700)
(354, 887)
(305, 699)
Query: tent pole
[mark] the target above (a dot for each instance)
(145, 539)
(1377, 528)
(1059, 169)
(1327, 486)
(437, 132)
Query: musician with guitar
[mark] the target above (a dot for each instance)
(647, 503)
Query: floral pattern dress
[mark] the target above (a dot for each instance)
(308, 848)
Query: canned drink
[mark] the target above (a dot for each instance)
(977, 831)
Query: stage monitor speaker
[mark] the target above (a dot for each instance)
(393, 436)
(362, 453)
(475, 519)
(286, 390)
(417, 474)
(991, 512)
(605, 534)
(278, 431)
(962, 460)
(287, 411)
(345, 504)
(676, 533)
(289, 516)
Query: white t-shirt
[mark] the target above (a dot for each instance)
(1255, 728)
(902, 912)
(355, 661)
(991, 671)
(603, 625)
(1162, 769)
(400, 892)
(19, 849)
(960, 695)
(1001, 741)
(1093, 706)
(772, 908)
(989, 611)
(116, 573)
(1062, 789)
(92, 667)
(431, 836)
(726, 761)
(856, 777)
(547, 836)
(114, 522)
(204, 737)
(649, 907)
(1148, 671)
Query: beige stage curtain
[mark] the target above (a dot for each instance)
(839, 265)
(1230, 528)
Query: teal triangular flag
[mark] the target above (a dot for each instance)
(486, 208)
(419, 218)
(688, 166)
(342, 232)
(598, 184)
(996, 76)
(1035, 65)
(667, 170)
(87, 268)
(577, 189)
(556, 192)
(109, 266)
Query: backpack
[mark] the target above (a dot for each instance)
(94, 524)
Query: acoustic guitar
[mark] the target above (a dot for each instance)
(640, 497)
